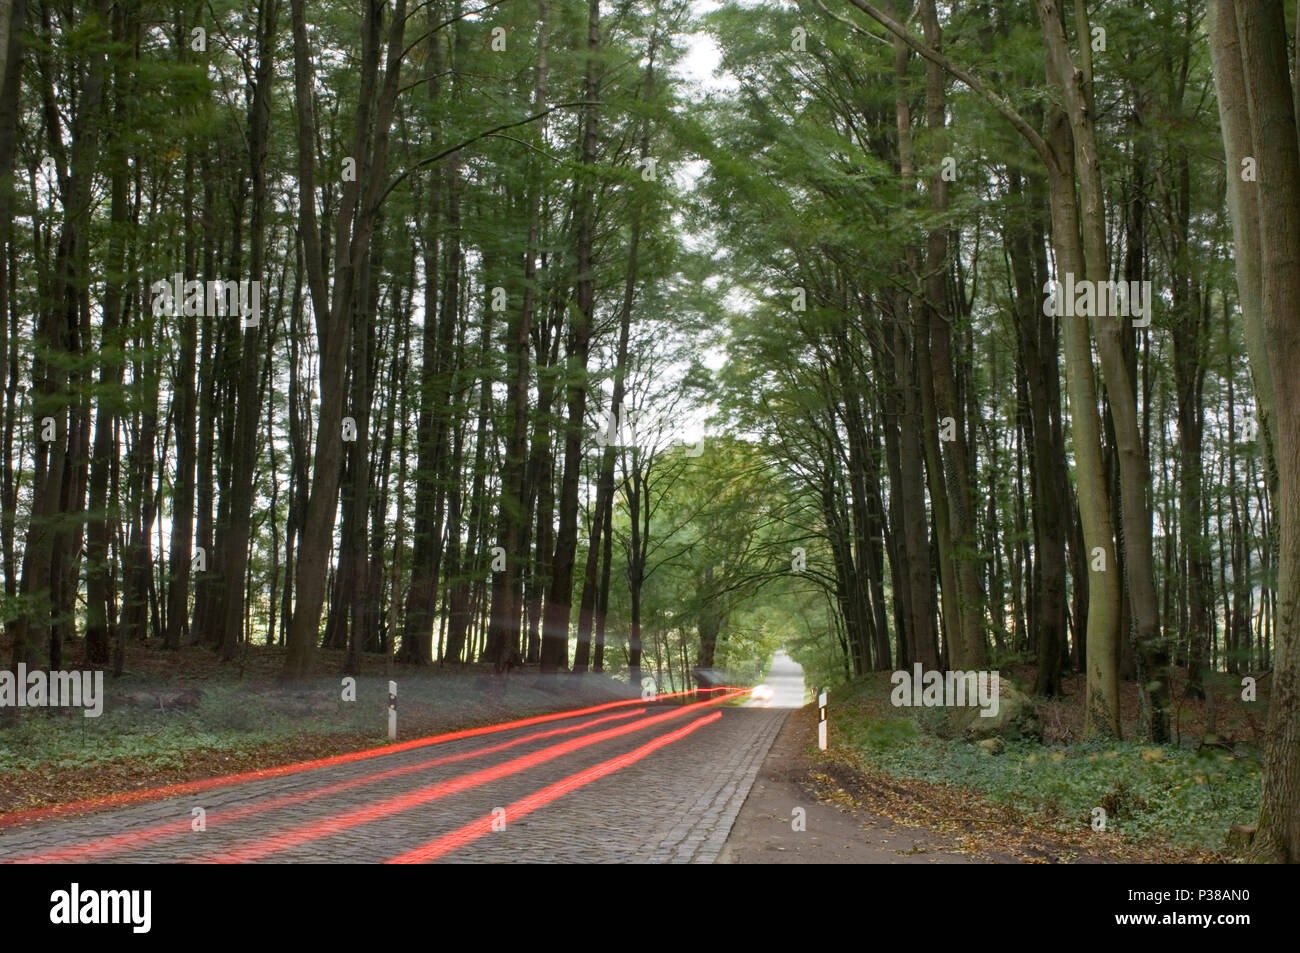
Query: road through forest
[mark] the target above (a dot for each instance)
(624, 783)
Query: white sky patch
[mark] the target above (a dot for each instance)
(699, 67)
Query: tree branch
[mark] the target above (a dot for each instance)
(969, 79)
(473, 139)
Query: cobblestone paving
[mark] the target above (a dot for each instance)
(676, 805)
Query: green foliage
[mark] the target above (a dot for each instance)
(1188, 797)
(227, 718)
(157, 739)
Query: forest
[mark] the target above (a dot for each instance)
(645, 337)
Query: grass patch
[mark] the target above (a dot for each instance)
(229, 717)
(225, 720)
(1184, 796)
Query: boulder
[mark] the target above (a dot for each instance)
(1016, 718)
(185, 698)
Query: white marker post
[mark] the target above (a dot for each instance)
(392, 711)
(821, 721)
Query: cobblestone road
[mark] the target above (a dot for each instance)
(674, 805)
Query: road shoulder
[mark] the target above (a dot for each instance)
(765, 830)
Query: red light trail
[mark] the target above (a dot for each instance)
(348, 819)
(538, 799)
(194, 787)
(130, 839)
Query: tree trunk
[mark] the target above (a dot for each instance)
(1258, 50)
(555, 625)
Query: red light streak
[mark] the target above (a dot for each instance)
(348, 819)
(130, 839)
(194, 787)
(538, 799)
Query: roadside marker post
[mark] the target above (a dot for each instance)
(392, 711)
(821, 721)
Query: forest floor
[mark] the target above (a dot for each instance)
(899, 778)
(184, 716)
